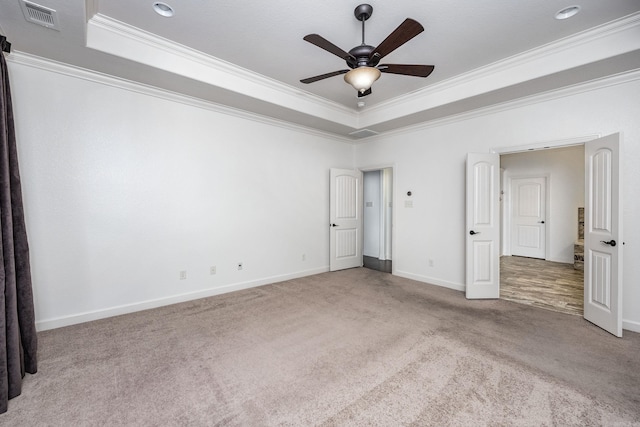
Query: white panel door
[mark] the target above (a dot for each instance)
(603, 234)
(528, 208)
(483, 226)
(345, 219)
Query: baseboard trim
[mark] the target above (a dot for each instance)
(430, 280)
(74, 319)
(630, 325)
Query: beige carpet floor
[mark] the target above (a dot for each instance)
(356, 347)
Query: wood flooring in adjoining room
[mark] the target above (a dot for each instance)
(551, 285)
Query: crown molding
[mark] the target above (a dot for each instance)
(32, 61)
(602, 83)
(601, 42)
(614, 38)
(116, 38)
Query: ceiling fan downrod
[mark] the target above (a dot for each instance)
(361, 53)
(362, 13)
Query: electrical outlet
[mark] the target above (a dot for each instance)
(240, 266)
(183, 275)
(212, 270)
(304, 257)
(430, 262)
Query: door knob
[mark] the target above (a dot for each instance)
(540, 222)
(334, 225)
(610, 242)
(474, 232)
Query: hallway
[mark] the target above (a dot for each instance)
(376, 264)
(545, 284)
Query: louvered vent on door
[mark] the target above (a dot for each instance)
(40, 15)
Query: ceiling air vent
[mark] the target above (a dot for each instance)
(363, 133)
(40, 15)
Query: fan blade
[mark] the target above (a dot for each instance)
(407, 70)
(366, 92)
(323, 76)
(405, 32)
(325, 44)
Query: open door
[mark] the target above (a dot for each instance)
(483, 226)
(603, 234)
(345, 219)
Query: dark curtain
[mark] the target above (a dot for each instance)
(18, 340)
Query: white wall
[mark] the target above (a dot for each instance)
(430, 161)
(564, 168)
(123, 190)
(372, 201)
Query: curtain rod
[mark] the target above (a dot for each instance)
(6, 46)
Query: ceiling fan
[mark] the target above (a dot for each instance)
(363, 60)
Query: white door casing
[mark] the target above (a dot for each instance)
(603, 234)
(372, 214)
(483, 226)
(345, 219)
(387, 198)
(528, 217)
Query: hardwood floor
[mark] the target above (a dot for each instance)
(551, 285)
(376, 264)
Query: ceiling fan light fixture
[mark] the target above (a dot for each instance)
(362, 78)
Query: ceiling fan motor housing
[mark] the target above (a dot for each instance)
(362, 57)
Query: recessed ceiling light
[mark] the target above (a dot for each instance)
(163, 9)
(568, 12)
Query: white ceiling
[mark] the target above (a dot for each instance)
(251, 55)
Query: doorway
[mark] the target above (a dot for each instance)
(543, 191)
(377, 219)
(603, 260)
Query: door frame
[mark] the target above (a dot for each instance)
(394, 194)
(566, 143)
(507, 209)
(556, 143)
